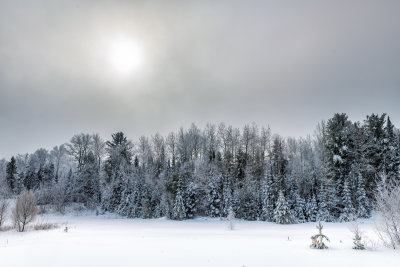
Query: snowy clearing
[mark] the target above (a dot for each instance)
(112, 241)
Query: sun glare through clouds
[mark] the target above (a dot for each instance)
(125, 55)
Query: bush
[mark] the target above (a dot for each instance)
(388, 209)
(25, 210)
(5, 228)
(44, 226)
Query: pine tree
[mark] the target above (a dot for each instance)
(282, 213)
(339, 145)
(318, 239)
(119, 156)
(373, 150)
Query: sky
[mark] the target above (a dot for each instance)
(287, 64)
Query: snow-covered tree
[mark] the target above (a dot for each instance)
(348, 209)
(318, 239)
(363, 203)
(179, 211)
(268, 200)
(323, 211)
(11, 177)
(355, 229)
(299, 209)
(311, 209)
(196, 172)
(282, 213)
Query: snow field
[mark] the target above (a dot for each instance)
(112, 241)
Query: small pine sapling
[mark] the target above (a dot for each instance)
(318, 239)
(357, 242)
(357, 237)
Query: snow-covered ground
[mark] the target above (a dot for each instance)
(112, 241)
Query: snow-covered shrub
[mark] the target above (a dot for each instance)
(25, 210)
(44, 226)
(388, 209)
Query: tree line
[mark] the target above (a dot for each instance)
(332, 175)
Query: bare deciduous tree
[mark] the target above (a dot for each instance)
(25, 210)
(388, 209)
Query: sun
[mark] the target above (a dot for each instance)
(125, 55)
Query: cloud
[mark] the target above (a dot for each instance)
(286, 64)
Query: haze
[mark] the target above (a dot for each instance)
(288, 64)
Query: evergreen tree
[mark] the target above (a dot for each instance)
(299, 209)
(282, 213)
(119, 156)
(373, 150)
(311, 209)
(191, 200)
(179, 211)
(213, 197)
(363, 204)
(323, 211)
(268, 200)
(11, 175)
(339, 145)
(391, 153)
(87, 185)
(357, 242)
(227, 197)
(278, 163)
(348, 210)
(318, 239)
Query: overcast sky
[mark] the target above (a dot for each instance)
(287, 64)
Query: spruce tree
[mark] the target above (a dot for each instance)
(357, 242)
(227, 197)
(179, 211)
(311, 209)
(282, 213)
(363, 204)
(299, 207)
(268, 197)
(191, 200)
(391, 153)
(213, 196)
(11, 175)
(318, 239)
(323, 211)
(348, 209)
